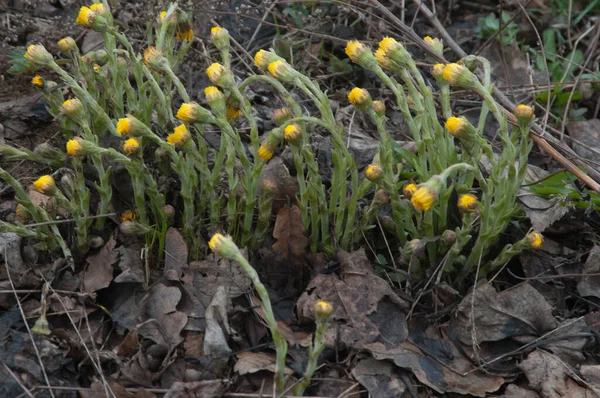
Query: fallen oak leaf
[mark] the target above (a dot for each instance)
(291, 243)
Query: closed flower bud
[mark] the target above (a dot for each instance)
(435, 45)
(269, 186)
(219, 76)
(219, 37)
(438, 72)
(388, 224)
(38, 55)
(262, 59)
(524, 114)
(414, 247)
(130, 125)
(223, 246)
(184, 27)
(382, 196)
(534, 239)
(41, 326)
(37, 81)
(282, 115)
(424, 197)
(49, 152)
(409, 190)
(46, 185)
(449, 237)
(216, 100)
(67, 185)
(99, 57)
(282, 71)
(265, 151)
(22, 213)
(74, 110)
(134, 228)
(155, 60)
(97, 68)
(460, 127)
(459, 75)
(360, 98)
(232, 113)
(323, 311)
(379, 108)
(467, 203)
(130, 146)
(292, 133)
(95, 242)
(394, 51)
(169, 211)
(374, 172)
(179, 137)
(361, 55)
(129, 215)
(193, 113)
(67, 44)
(74, 147)
(383, 59)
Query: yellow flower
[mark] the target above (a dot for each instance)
(373, 172)
(534, 239)
(424, 197)
(292, 133)
(45, 184)
(129, 215)
(360, 98)
(524, 114)
(232, 113)
(435, 44)
(66, 44)
(73, 108)
(438, 71)
(37, 81)
(467, 203)
(162, 16)
(124, 126)
(216, 72)
(38, 55)
(456, 125)
(187, 112)
(130, 146)
(213, 94)
(179, 136)
(459, 75)
(97, 68)
(282, 115)
(323, 310)
(74, 147)
(409, 190)
(389, 45)
(155, 60)
(259, 58)
(223, 245)
(22, 213)
(187, 34)
(354, 50)
(281, 70)
(98, 8)
(379, 108)
(86, 17)
(265, 152)
(219, 37)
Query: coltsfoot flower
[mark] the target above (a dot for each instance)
(323, 310)
(394, 51)
(458, 75)
(179, 137)
(534, 239)
(130, 125)
(37, 81)
(424, 197)
(282, 115)
(92, 17)
(361, 55)
(262, 59)
(460, 127)
(379, 108)
(155, 60)
(66, 44)
(524, 114)
(193, 113)
(383, 59)
(130, 146)
(45, 184)
(435, 45)
(265, 151)
(219, 76)
(215, 99)
(374, 172)
(281, 70)
(409, 189)
(449, 237)
(184, 27)
(382, 196)
(134, 228)
(224, 246)
(360, 99)
(232, 113)
(129, 215)
(74, 147)
(292, 133)
(74, 109)
(438, 72)
(37, 55)
(467, 203)
(219, 37)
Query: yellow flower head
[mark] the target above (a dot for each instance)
(438, 70)
(281, 70)
(155, 60)
(215, 73)
(534, 239)
(66, 44)
(223, 245)
(323, 309)
(373, 172)
(97, 68)
(292, 133)
(45, 184)
(382, 59)
(389, 45)
(74, 147)
(130, 146)
(232, 113)
(435, 44)
(187, 34)
(360, 98)
(354, 50)
(179, 136)
(424, 197)
(212, 94)
(187, 112)
(524, 112)
(72, 108)
(162, 16)
(86, 17)
(409, 189)
(457, 125)
(215, 30)
(459, 75)
(265, 152)
(37, 81)
(260, 59)
(379, 107)
(282, 115)
(129, 215)
(22, 213)
(124, 126)
(38, 55)
(98, 8)
(428, 39)
(467, 203)
(219, 37)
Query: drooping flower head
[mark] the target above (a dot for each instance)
(409, 189)
(179, 137)
(219, 76)
(467, 203)
(374, 172)
(45, 184)
(223, 245)
(130, 146)
(361, 55)
(534, 239)
(360, 98)
(282, 71)
(193, 113)
(219, 37)
(74, 147)
(292, 133)
(37, 81)
(37, 55)
(424, 197)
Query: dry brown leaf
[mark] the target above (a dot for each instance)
(97, 390)
(99, 272)
(197, 389)
(590, 285)
(176, 253)
(291, 243)
(252, 362)
(380, 378)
